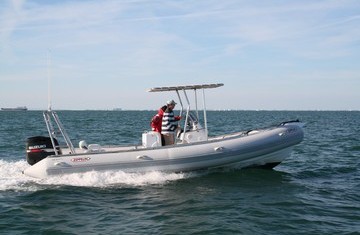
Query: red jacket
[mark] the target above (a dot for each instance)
(156, 121)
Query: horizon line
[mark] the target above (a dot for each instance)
(218, 110)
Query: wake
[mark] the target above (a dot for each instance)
(12, 179)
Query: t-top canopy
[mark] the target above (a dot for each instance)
(188, 87)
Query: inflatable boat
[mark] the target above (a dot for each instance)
(193, 148)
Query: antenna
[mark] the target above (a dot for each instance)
(49, 78)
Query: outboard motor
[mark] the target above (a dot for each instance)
(39, 147)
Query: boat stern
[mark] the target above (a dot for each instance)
(38, 170)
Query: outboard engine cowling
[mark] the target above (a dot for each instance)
(39, 147)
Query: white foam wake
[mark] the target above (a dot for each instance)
(11, 178)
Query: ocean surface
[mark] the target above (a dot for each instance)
(315, 191)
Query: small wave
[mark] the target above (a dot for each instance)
(11, 178)
(355, 148)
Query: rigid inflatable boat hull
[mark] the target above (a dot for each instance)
(266, 148)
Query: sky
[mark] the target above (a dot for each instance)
(270, 55)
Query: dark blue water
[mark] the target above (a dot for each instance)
(315, 191)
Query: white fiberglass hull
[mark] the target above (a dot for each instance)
(257, 148)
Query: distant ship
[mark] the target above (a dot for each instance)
(22, 108)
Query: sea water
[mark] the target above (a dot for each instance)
(315, 191)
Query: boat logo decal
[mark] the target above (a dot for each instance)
(80, 159)
(41, 146)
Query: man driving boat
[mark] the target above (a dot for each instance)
(169, 123)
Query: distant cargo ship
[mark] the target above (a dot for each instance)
(22, 108)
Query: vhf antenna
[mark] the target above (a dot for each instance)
(49, 78)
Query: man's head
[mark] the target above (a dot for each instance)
(171, 103)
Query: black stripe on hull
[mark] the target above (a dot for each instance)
(267, 166)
